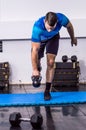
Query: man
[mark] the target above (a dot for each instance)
(45, 34)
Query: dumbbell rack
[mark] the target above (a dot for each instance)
(4, 76)
(66, 74)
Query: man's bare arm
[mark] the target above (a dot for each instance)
(34, 57)
(70, 30)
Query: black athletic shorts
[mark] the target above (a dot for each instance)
(51, 46)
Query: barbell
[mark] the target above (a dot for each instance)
(36, 120)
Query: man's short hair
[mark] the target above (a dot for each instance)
(51, 17)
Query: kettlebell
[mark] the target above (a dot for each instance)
(36, 81)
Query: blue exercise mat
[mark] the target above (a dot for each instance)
(37, 99)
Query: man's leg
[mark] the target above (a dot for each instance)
(40, 55)
(50, 67)
(39, 65)
(49, 75)
(51, 51)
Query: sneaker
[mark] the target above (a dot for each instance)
(47, 95)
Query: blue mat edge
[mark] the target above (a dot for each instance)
(44, 103)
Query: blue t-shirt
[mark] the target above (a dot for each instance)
(39, 32)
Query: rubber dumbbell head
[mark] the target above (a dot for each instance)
(36, 120)
(36, 81)
(74, 58)
(14, 119)
(65, 58)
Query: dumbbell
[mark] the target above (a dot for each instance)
(73, 58)
(36, 81)
(65, 58)
(36, 120)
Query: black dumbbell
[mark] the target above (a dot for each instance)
(36, 81)
(65, 58)
(36, 120)
(74, 58)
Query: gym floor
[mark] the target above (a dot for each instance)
(66, 117)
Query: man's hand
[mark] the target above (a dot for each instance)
(36, 73)
(74, 41)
